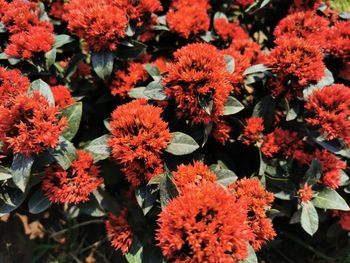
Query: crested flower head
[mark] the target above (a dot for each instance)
(229, 31)
(75, 184)
(138, 137)
(338, 41)
(258, 200)
(244, 3)
(198, 82)
(12, 83)
(253, 129)
(204, 224)
(221, 131)
(304, 5)
(119, 231)
(62, 96)
(329, 110)
(29, 125)
(192, 175)
(305, 194)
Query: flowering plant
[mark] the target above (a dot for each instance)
(183, 130)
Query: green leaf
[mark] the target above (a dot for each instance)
(137, 93)
(219, 15)
(98, 148)
(10, 200)
(155, 90)
(73, 65)
(225, 177)
(5, 173)
(146, 197)
(327, 80)
(73, 114)
(133, 52)
(102, 63)
(209, 36)
(251, 256)
(21, 167)
(167, 190)
(309, 218)
(135, 252)
(293, 112)
(65, 153)
(61, 40)
(313, 174)
(38, 202)
(255, 69)
(181, 144)
(91, 207)
(330, 199)
(50, 57)
(107, 123)
(232, 106)
(265, 108)
(230, 63)
(153, 71)
(43, 88)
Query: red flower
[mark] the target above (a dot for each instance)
(62, 96)
(229, 31)
(28, 125)
(304, 5)
(253, 129)
(204, 224)
(305, 194)
(89, 21)
(344, 219)
(57, 9)
(188, 17)
(258, 200)
(338, 41)
(192, 175)
(281, 142)
(221, 131)
(245, 3)
(305, 25)
(296, 64)
(12, 83)
(197, 79)
(36, 39)
(127, 79)
(138, 137)
(73, 185)
(330, 110)
(119, 231)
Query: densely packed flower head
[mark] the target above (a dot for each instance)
(296, 64)
(75, 184)
(253, 129)
(306, 25)
(29, 125)
(304, 5)
(330, 110)
(258, 200)
(62, 96)
(344, 219)
(119, 231)
(192, 175)
(138, 137)
(338, 41)
(188, 18)
(221, 131)
(198, 79)
(125, 80)
(204, 224)
(305, 193)
(229, 31)
(57, 9)
(244, 3)
(12, 83)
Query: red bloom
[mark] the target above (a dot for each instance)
(304, 5)
(29, 125)
(127, 79)
(221, 131)
(138, 137)
(252, 193)
(281, 142)
(89, 21)
(305, 194)
(330, 110)
(344, 219)
(57, 9)
(192, 175)
(188, 17)
(75, 184)
(253, 129)
(338, 41)
(296, 64)
(119, 231)
(204, 224)
(229, 31)
(12, 83)
(26, 44)
(305, 25)
(198, 79)
(245, 3)
(62, 96)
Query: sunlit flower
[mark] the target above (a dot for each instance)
(229, 31)
(253, 129)
(305, 194)
(62, 96)
(12, 83)
(204, 224)
(338, 41)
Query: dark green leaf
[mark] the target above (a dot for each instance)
(313, 174)
(98, 148)
(91, 207)
(5, 173)
(21, 167)
(309, 218)
(330, 199)
(50, 57)
(10, 200)
(251, 256)
(146, 197)
(43, 88)
(65, 153)
(137, 93)
(133, 52)
(73, 114)
(153, 71)
(107, 124)
(61, 40)
(38, 202)
(232, 106)
(181, 144)
(265, 108)
(293, 112)
(167, 190)
(73, 65)
(225, 177)
(325, 81)
(155, 90)
(102, 63)
(135, 253)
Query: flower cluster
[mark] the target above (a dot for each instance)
(62, 96)
(13, 83)
(138, 137)
(229, 31)
(305, 193)
(253, 129)
(75, 184)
